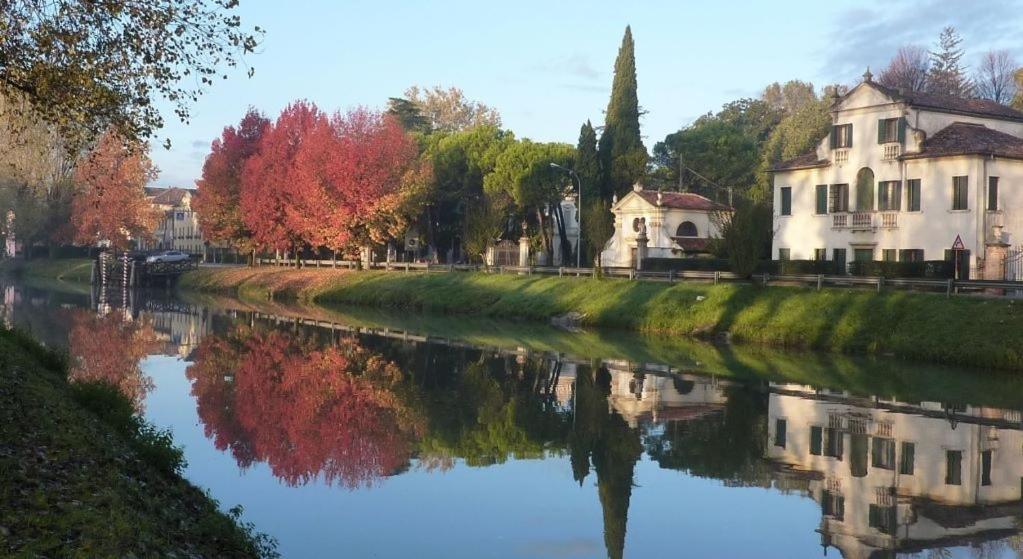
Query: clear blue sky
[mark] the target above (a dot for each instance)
(547, 65)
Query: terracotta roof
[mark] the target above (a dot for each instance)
(172, 196)
(948, 103)
(805, 161)
(962, 138)
(682, 201)
(692, 244)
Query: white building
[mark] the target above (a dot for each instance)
(179, 227)
(900, 176)
(899, 477)
(677, 224)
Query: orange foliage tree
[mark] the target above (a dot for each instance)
(217, 201)
(110, 202)
(306, 411)
(109, 349)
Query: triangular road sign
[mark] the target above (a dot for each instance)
(958, 244)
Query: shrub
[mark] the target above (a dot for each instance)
(800, 267)
(931, 269)
(155, 446)
(686, 264)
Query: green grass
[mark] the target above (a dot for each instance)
(76, 483)
(67, 269)
(968, 331)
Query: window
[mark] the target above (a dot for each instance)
(907, 458)
(889, 196)
(820, 254)
(821, 207)
(911, 255)
(779, 433)
(890, 130)
(888, 254)
(882, 518)
(180, 216)
(816, 440)
(858, 448)
(686, 229)
(786, 200)
(784, 253)
(960, 191)
(985, 467)
(839, 198)
(953, 467)
(992, 194)
(635, 224)
(833, 505)
(882, 453)
(913, 195)
(841, 136)
(834, 443)
(863, 254)
(865, 190)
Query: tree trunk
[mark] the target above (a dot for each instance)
(566, 246)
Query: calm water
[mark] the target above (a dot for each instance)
(344, 433)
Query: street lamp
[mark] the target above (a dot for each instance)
(579, 212)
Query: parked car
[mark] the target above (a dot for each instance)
(168, 256)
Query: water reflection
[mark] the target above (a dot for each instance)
(328, 403)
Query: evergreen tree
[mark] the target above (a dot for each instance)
(622, 154)
(587, 163)
(946, 76)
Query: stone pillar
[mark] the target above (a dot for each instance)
(366, 255)
(490, 256)
(995, 251)
(641, 245)
(392, 253)
(523, 251)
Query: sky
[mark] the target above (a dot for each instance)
(547, 66)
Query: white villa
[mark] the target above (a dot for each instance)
(900, 176)
(677, 224)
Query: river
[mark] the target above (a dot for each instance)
(352, 433)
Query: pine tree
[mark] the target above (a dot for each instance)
(622, 154)
(587, 163)
(946, 76)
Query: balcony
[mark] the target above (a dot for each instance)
(841, 156)
(891, 152)
(865, 221)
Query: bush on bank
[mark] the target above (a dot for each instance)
(969, 331)
(81, 475)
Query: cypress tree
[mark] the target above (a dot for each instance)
(622, 154)
(587, 163)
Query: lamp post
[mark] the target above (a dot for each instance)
(579, 212)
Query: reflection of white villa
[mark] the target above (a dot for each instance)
(641, 398)
(180, 330)
(677, 224)
(894, 476)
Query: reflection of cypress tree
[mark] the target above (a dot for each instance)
(603, 436)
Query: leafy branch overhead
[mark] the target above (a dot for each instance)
(87, 66)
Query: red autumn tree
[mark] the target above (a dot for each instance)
(218, 199)
(109, 349)
(110, 202)
(356, 180)
(309, 413)
(268, 177)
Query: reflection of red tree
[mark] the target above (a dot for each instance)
(305, 411)
(109, 349)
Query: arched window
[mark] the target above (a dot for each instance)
(865, 190)
(686, 229)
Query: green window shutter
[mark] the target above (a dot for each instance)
(850, 135)
(880, 131)
(832, 139)
(902, 130)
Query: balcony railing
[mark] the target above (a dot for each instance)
(840, 221)
(891, 152)
(889, 220)
(863, 220)
(841, 156)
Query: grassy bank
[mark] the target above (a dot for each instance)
(977, 332)
(81, 476)
(67, 269)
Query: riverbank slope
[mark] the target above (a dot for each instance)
(73, 484)
(65, 269)
(969, 331)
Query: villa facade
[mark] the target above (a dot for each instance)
(676, 224)
(901, 176)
